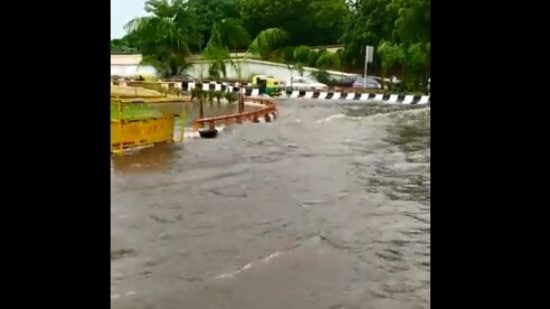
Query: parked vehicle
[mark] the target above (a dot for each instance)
(302, 83)
(272, 85)
(370, 84)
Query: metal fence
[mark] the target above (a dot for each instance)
(138, 124)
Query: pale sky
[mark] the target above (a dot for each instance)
(122, 11)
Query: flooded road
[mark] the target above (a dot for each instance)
(326, 207)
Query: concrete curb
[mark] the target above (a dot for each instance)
(356, 96)
(249, 90)
(319, 95)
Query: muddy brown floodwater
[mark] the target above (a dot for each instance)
(210, 109)
(326, 207)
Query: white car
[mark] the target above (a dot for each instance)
(301, 83)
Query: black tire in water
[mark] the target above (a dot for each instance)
(208, 133)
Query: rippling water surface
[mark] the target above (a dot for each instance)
(326, 207)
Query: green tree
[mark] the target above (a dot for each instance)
(391, 55)
(209, 12)
(401, 30)
(217, 53)
(268, 41)
(122, 46)
(412, 24)
(126, 44)
(412, 31)
(328, 60)
(308, 22)
(233, 35)
(287, 54)
(370, 22)
(330, 18)
(301, 54)
(165, 36)
(314, 56)
(417, 65)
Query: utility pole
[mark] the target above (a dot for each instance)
(369, 50)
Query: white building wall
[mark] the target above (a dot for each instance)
(251, 67)
(128, 65)
(129, 70)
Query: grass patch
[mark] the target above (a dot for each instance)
(133, 111)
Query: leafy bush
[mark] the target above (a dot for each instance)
(231, 97)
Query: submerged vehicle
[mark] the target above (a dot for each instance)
(271, 86)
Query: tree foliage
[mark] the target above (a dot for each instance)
(390, 54)
(413, 20)
(328, 60)
(301, 54)
(285, 31)
(217, 53)
(165, 36)
(268, 41)
(123, 45)
(209, 12)
(398, 29)
(234, 35)
(309, 22)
